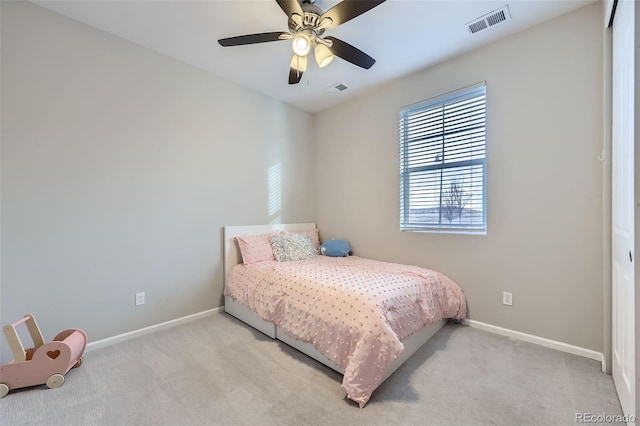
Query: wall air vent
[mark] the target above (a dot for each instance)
(489, 20)
(337, 88)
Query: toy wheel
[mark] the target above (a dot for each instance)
(78, 363)
(4, 390)
(55, 381)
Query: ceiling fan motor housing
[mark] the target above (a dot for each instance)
(310, 19)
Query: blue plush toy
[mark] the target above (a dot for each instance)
(335, 248)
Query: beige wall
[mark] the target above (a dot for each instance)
(119, 169)
(120, 166)
(544, 188)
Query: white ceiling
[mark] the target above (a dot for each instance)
(402, 35)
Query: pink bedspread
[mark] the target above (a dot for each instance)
(355, 311)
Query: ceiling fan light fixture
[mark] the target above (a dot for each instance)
(299, 63)
(301, 44)
(323, 55)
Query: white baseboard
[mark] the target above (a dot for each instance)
(92, 346)
(548, 343)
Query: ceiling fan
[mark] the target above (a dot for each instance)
(307, 25)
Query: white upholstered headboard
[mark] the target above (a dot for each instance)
(231, 253)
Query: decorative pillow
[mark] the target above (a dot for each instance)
(288, 247)
(335, 248)
(315, 237)
(255, 248)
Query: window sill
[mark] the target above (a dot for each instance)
(446, 231)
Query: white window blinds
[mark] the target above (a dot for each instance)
(442, 163)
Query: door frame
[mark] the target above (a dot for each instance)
(610, 6)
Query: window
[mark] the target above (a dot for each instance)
(442, 163)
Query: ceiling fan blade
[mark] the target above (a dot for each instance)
(351, 54)
(251, 39)
(290, 7)
(294, 76)
(297, 68)
(347, 10)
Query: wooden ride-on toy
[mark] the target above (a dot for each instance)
(45, 363)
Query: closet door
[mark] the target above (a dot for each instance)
(623, 217)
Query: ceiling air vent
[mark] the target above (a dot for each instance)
(337, 88)
(489, 20)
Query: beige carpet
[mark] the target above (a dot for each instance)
(218, 371)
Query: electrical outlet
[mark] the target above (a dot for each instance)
(140, 298)
(507, 298)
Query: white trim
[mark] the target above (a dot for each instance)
(548, 343)
(92, 346)
(444, 97)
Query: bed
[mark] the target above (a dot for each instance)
(360, 317)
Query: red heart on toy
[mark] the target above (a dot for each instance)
(53, 354)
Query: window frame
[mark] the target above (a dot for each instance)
(441, 101)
